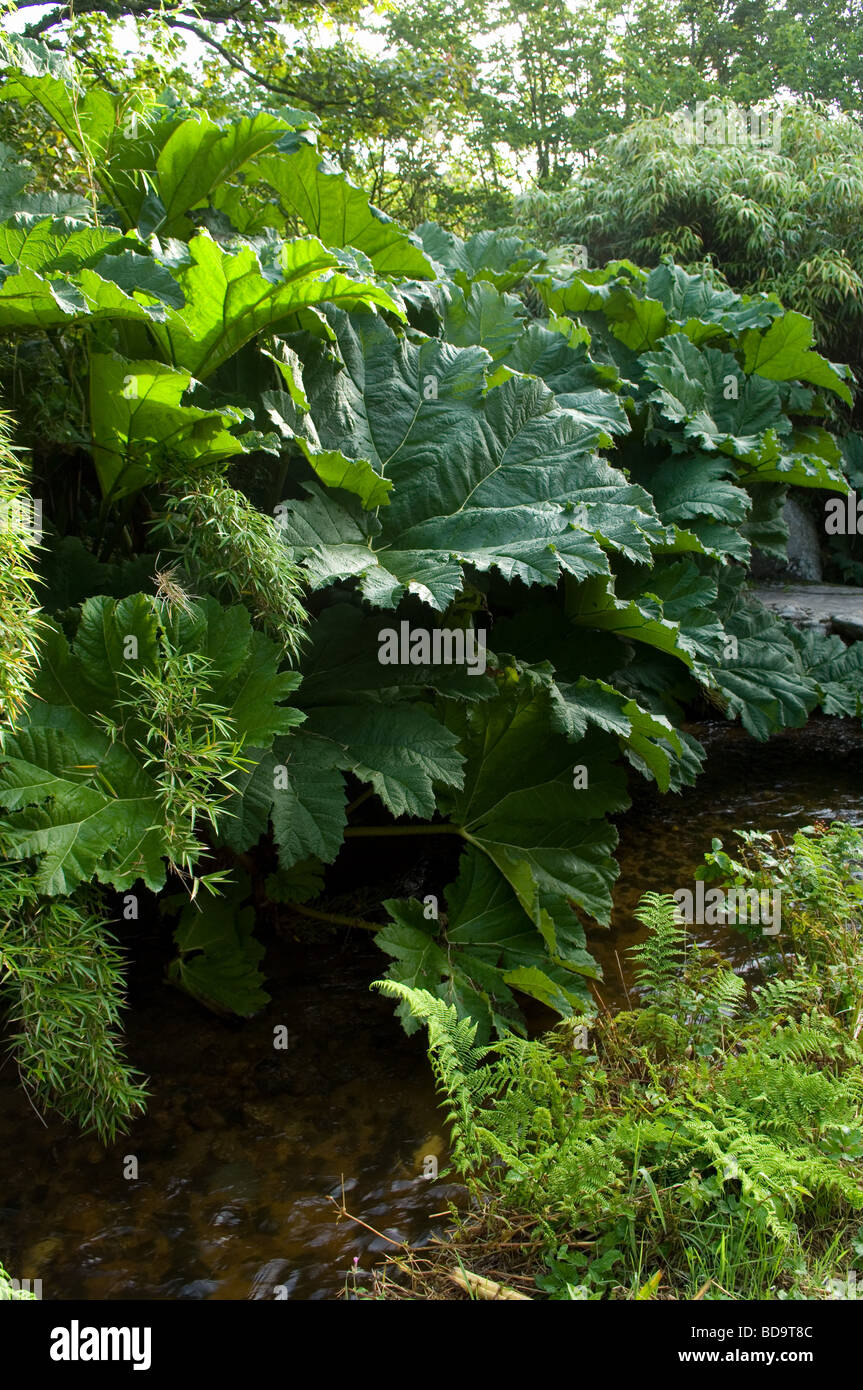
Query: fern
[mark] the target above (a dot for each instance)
(785, 996)
(660, 957)
(726, 995)
(815, 1038)
(709, 1110)
(456, 1061)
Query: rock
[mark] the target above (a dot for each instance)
(386, 1242)
(199, 1288)
(227, 1217)
(831, 607)
(804, 550)
(275, 1273)
(851, 629)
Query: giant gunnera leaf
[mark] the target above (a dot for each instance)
(537, 787)
(507, 480)
(361, 718)
(218, 959)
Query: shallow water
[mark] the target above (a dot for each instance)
(798, 777)
(244, 1147)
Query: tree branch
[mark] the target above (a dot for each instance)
(140, 9)
(215, 14)
(228, 56)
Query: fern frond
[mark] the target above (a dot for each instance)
(785, 996)
(726, 994)
(457, 1064)
(660, 956)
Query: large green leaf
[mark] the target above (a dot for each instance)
(483, 317)
(309, 814)
(334, 469)
(507, 480)
(809, 459)
(496, 256)
(555, 359)
(139, 423)
(537, 785)
(702, 310)
(481, 951)
(29, 300)
(200, 156)
(610, 290)
(521, 806)
(648, 740)
(784, 353)
(219, 958)
(705, 391)
(837, 670)
(341, 666)
(229, 299)
(400, 749)
(56, 243)
(687, 487)
(764, 681)
(137, 274)
(84, 808)
(335, 210)
(595, 604)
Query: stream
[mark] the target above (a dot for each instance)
(246, 1152)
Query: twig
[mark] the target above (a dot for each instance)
(343, 1211)
(622, 980)
(486, 1289)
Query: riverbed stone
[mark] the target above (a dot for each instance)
(831, 607)
(803, 561)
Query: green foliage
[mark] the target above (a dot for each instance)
(754, 216)
(134, 738)
(228, 544)
(337, 430)
(708, 1137)
(818, 876)
(438, 109)
(660, 956)
(62, 978)
(456, 1061)
(218, 956)
(8, 1289)
(19, 623)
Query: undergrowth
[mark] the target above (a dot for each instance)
(706, 1143)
